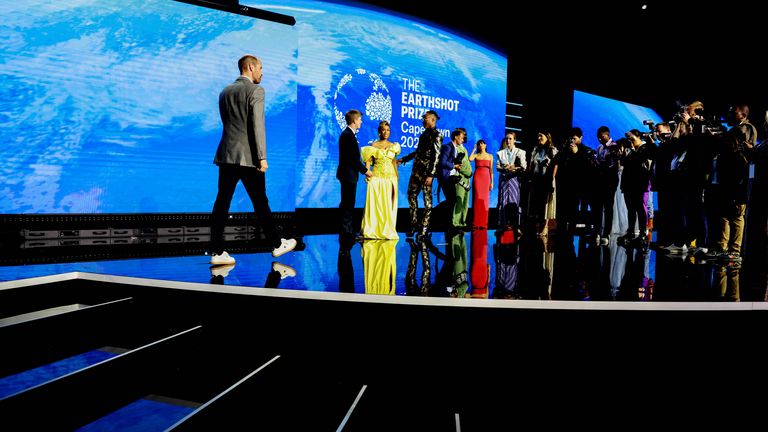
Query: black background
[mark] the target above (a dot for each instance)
(666, 54)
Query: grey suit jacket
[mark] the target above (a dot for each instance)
(244, 140)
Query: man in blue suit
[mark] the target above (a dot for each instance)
(453, 172)
(349, 167)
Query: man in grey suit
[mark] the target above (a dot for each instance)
(242, 156)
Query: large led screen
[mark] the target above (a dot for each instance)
(592, 111)
(391, 68)
(112, 106)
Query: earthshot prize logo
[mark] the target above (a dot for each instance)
(378, 103)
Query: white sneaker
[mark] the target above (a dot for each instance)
(285, 247)
(284, 270)
(222, 270)
(223, 259)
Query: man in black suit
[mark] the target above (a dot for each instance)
(242, 156)
(349, 167)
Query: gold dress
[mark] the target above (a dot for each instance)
(380, 214)
(379, 266)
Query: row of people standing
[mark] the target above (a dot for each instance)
(451, 165)
(577, 185)
(532, 181)
(378, 162)
(703, 182)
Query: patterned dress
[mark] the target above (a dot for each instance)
(509, 186)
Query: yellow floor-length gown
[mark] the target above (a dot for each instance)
(379, 266)
(380, 215)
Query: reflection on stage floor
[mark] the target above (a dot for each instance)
(479, 264)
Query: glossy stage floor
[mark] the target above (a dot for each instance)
(462, 332)
(471, 265)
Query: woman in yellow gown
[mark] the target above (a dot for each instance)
(380, 214)
(379, 266)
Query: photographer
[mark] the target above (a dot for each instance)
(574, 172)
(606, 182)
(757, 216)
(694, 166)
(636, 184)
(667, 184)
(728, 183)
(686, 118)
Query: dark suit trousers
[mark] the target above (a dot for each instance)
(347, 206)
(255, 184)
(344, 267)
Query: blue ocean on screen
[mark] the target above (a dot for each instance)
(592, 111)
(111, 107)
(391, 68)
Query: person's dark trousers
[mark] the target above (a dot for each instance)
(715, 198)
(602, 205)
(662, 219)
(756, 232)
(636, 211)
(695, 218)
(255, 184)
(273, 279)
(344, 265)
(567, 207)
(347, 206)
(449, 190)
(672, 204)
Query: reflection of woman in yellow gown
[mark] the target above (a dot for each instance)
(381, 200)
(379, 266)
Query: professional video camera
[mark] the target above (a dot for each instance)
(701, 123)
(651, 130)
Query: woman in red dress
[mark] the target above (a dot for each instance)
(482, 184)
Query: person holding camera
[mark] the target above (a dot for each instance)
(694, 165)
(667, 184)
(686, 118)
(454, 171)
(511, 162)
(574, 170)
(757, 216)
(606, 182)
(635, 184)
(728, 183)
